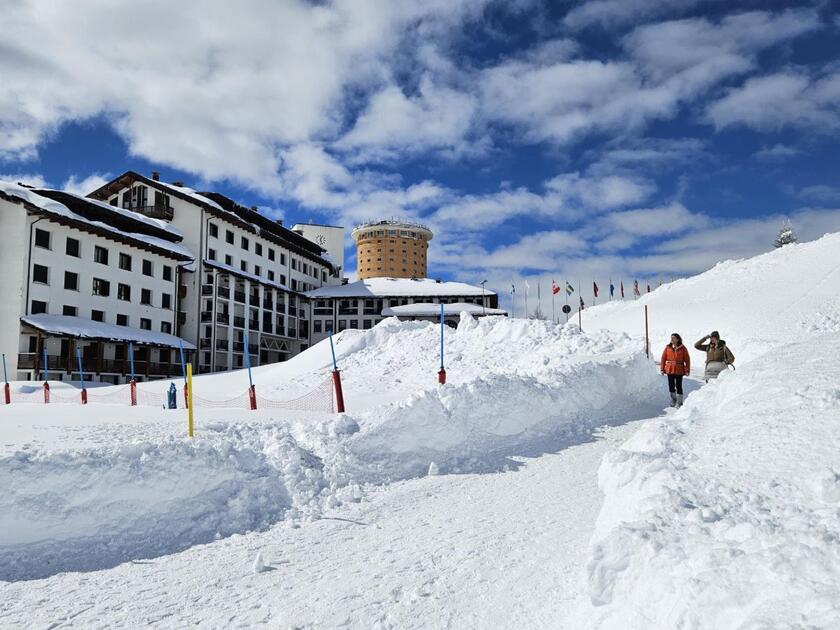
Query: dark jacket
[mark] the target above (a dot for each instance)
(716, 353)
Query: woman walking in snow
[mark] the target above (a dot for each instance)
(675, 363)
(718, 354)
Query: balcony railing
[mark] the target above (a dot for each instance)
(254, 324)
(223, 292)
(221, 344)
(156, 212)
(204, 343)
(254, 300)
(239, 346)
(268, 303)
(206, 316)
(238, 321)
(222, 318)
(206, 290)
(239, 296)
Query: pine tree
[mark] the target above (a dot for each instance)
(786, 235)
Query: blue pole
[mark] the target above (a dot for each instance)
(332, 350)
(441, 336)
(5, 374)
(81, 372)
(46, 367)
(183, 363)
(248, 361)
(131, 358)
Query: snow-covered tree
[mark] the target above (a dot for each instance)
(786, 235)
(537, 313)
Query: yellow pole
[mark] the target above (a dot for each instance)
(190, 398)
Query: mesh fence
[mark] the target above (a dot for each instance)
(319, 399)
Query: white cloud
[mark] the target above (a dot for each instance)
(612, 13)
(821, 193)
(777, 152)
(85, 185)
(30, 179)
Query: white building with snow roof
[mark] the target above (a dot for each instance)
(362, 304)
(79, 274)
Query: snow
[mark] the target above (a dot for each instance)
(430, 310)
(541, 487)
(89, 329)
(385, 287)
(59, 209)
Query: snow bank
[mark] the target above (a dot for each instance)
(728, 516)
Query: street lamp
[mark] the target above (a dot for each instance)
(483, 310)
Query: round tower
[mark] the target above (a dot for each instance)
(391, 249)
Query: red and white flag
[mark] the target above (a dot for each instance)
(636, 291)
(554, 288)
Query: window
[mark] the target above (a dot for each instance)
(165, 300)
(214, 230)
(257, 270)
(354, 323)
(328, 326)
(243, 264)
(125, 262)
(145, 324)
(97, 316)
(229, 237)
(342, 325)
(244, 243)
(282, 278)
(101, 287)
(147, 267)
(124, 292)
(166, 327)
(258, 249)
(72, 311)
(100, 255)
(211, 254)
(294, 263)
(42, 238)
(146, 297)
(282, 258)
(167, 273)
(316, 326)
(40, 274)
(122, 320)
(270, 275)
(71, 281)
(71, 247)
(38, 307)
(270, 254)
(228, 260)
(368, 324)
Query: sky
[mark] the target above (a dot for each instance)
(575, 141)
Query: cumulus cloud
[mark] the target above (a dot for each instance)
(30, 179)
(85, 185)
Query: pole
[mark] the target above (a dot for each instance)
(552, 306)
(252, 392)
(442, 372)
(132, 384)
(647, 335)
(339, 392)
(6, 389)
(46, 373)
(580, 318)
(483, 310)
(187, 392)
(190, 425)
(81, 375)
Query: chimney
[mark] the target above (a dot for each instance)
(278, 221)
(178, 184)
(254, 208)
(156, 176)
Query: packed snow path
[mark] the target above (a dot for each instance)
(500, 550)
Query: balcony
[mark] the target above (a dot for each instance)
(204, 344)
(254, 300)
(206, 316)
(253, 324)
(238, 321)
(155, 212)
(221, 344)
(207, 289)
(222, 318)
(223, 292)
(324, 311)
(341, 311)
(268, 303)
(267, 327)
(239, 296)
(253, 348)
(239, 346)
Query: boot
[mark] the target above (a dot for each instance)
(679, 401)
(673, 399)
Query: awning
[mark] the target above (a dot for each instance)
(81, 328)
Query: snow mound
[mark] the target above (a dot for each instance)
(729, 516)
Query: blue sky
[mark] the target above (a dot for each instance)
(575, 140)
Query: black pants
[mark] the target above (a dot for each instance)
(675, 383)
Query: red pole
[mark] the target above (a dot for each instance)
(84, 396)
(186, 397)
(339, 394)
(46, 392)
(442, 376)
(647, 335)
(132, 385)
(252, 397)
(8, 392)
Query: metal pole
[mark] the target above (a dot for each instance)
(332, 350)
(81, 375)
(248, 361)
(5, 374)
(183, 363)
(131, 358)
(7, 392)
(190, 425)
(46, 366)
(483, 311)
(339, 392)
(647, 335)
(442, 372)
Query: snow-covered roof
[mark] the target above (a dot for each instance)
(189, 192)
(60, 210)
(88, 329)
(427, 309)
(385, 287)
(250, 276)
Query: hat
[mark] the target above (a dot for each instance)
(715, 334)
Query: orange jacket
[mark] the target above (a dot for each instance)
(675, 360)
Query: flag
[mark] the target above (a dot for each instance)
(595, 288)
(527, 287)
(569, 289)
(581, 302)
(648, 289)
(554, 288)
(636, 291)
(612, 289)
(512, 289)
(622, 289)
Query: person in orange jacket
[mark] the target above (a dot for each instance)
(675, 363)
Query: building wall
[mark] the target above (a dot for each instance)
(391, 250)
(329, 237)
(13, 227)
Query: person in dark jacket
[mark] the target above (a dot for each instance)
(675, 363)
(718, 354)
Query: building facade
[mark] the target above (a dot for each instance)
(360, 305)
(78, 275)
(247, 292)
(391, 249)
(330, 237)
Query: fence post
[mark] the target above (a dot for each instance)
(132, 384)
(442, 371)
(7, 391)
(252, 392)
(188, 390)
(339, 393)
(81, 375)
(647, 334)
